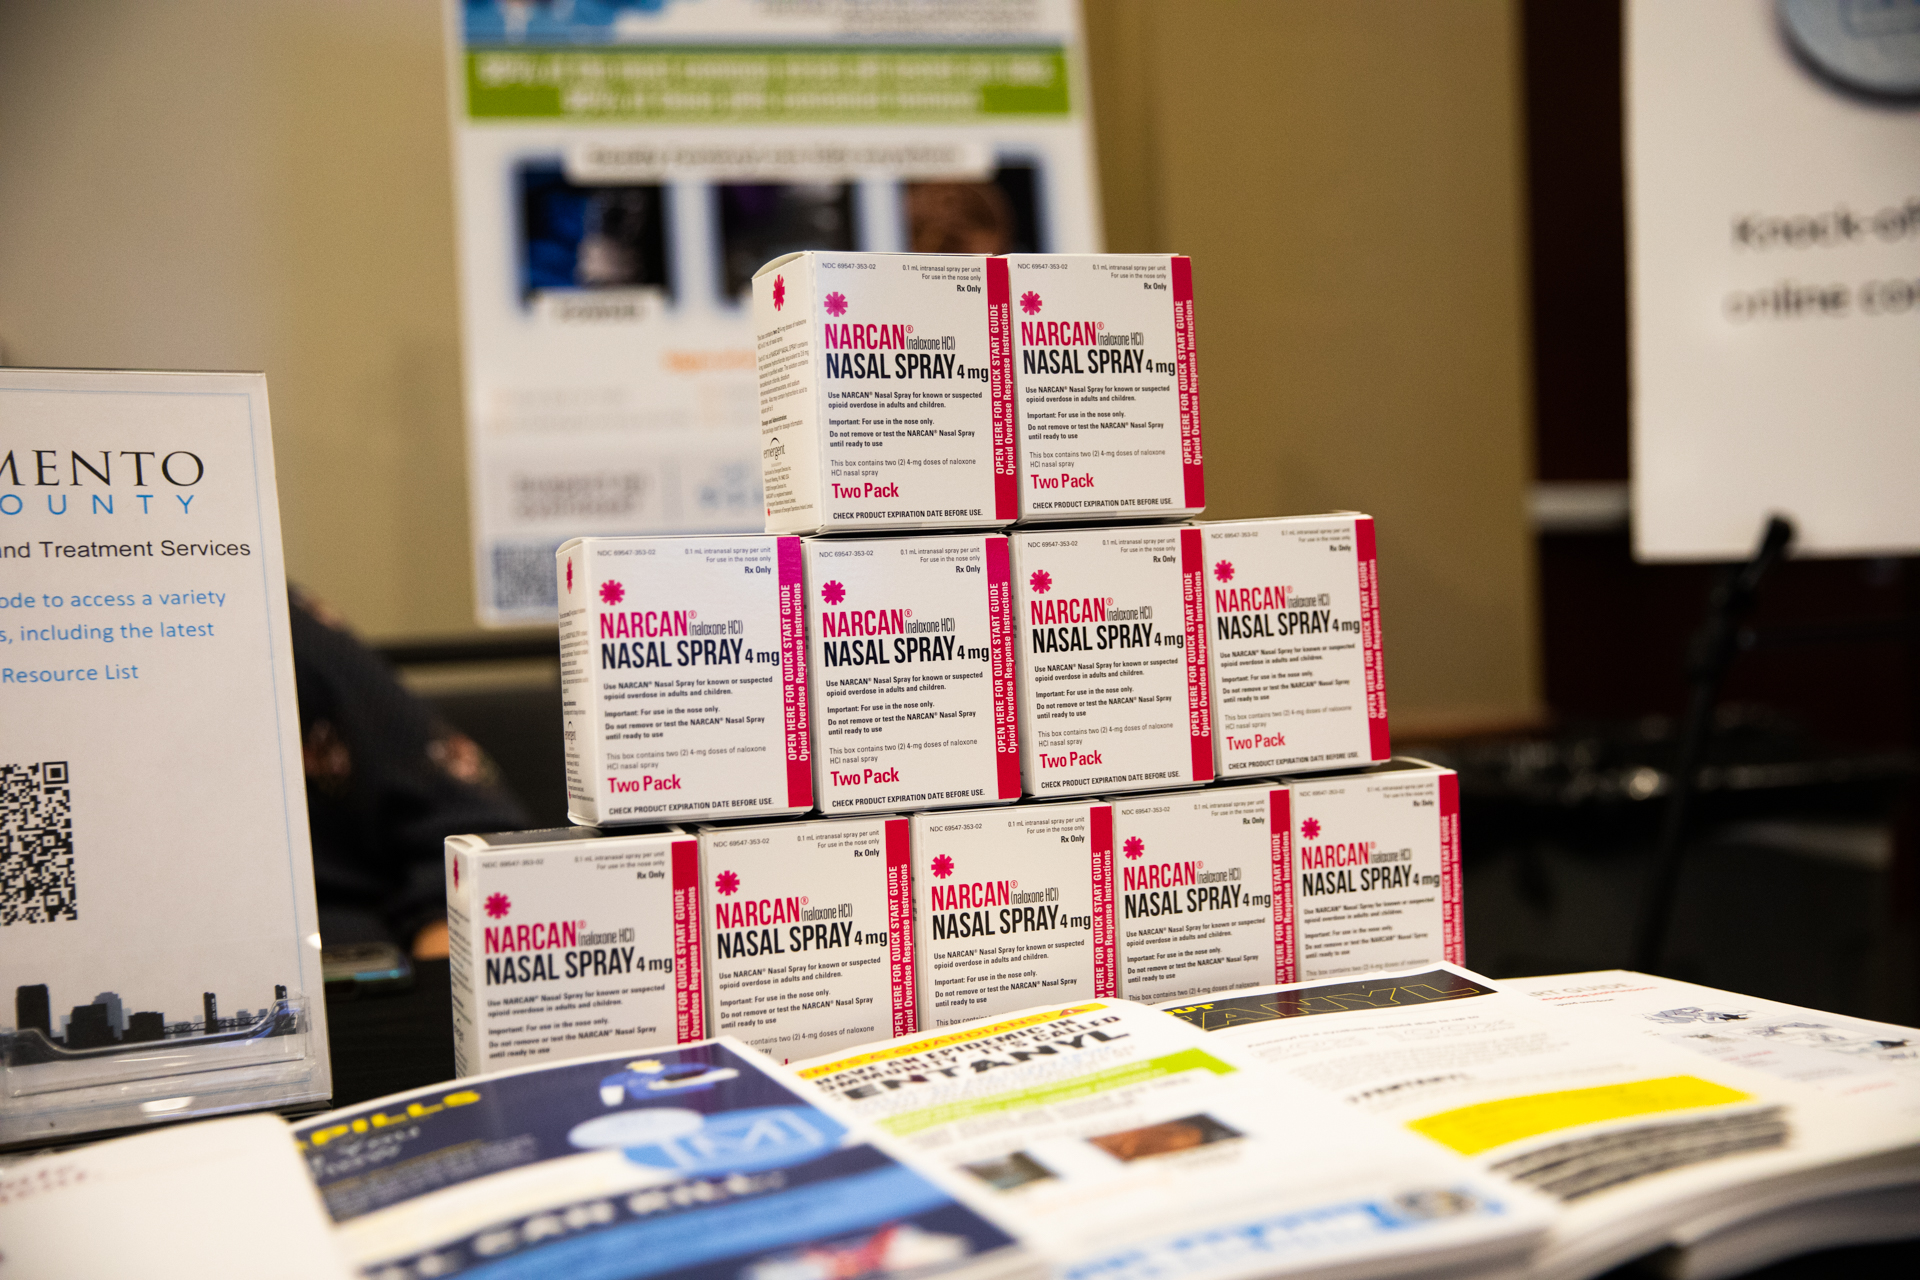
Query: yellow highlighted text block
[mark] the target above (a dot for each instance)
(1486, 1125)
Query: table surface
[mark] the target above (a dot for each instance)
(401, 1040)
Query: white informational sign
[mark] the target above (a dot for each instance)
(1774, 176)
(158, 946)
(624, 166)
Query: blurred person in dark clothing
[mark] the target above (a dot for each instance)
(387, 783)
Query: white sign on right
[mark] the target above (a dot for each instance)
(1774, 196)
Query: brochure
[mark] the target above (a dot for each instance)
(1128, 1145)
(222, 1200)
(700, 1161)
(1875, 1063)
(1644, 1145)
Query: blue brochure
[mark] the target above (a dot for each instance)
(697, 1161)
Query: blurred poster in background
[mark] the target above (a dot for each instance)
(1773, 151)
(624, 166)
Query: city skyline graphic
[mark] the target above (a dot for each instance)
(103, 1025)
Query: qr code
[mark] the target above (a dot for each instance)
(523, 576)
(36, 844)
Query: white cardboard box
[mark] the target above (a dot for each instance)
(1012, 907)
(1374, 859)
(911, 641)
(1197, 873)
(878, 404)
(809, 933)
(1106, 384)
(571, 942)
(1293, 645)
(683, 678)
(1112, 643)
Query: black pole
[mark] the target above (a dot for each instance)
(1708, 659)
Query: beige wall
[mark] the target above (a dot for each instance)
(1346, 175)
(265, 186)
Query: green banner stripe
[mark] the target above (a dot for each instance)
(1067, 1090)
(681, 85)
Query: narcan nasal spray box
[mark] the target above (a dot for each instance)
(1012, 907)
(1112, 643)
(1293, 634)
(683, 678)
(1197, 874)
(809, 933)
(1106, 384)
(912, 667)
(884, 403)
(1374, 859)
(572, 942)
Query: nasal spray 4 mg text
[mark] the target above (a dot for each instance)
(810, 933)
(1113, 659)
(1294, 653)
(1012, 907)
(912, 667)
(683, 678)
(1106, 384)
(572, 942)
(877, 394)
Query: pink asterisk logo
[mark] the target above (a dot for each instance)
(612, 592)
(1223, 570)
(456, 873)
(1134, 847)
(1041, 582)
(498, 904)
(943, 866)
(569, 576)
(1030, 303)
(779, 292)
(1310, 828)
(836, 304)
(833, 593)
(727, 883)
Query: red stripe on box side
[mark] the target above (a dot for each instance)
(1452, 908)
(689, 999)
(1006, 469)
(1006, 712)
(1370, 649)
(1193, 603)
(1193, 467)
(793, 674)
(1286, 952)
(1105, 976)
(900, 924)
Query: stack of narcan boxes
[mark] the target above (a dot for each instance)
(1051, 739)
